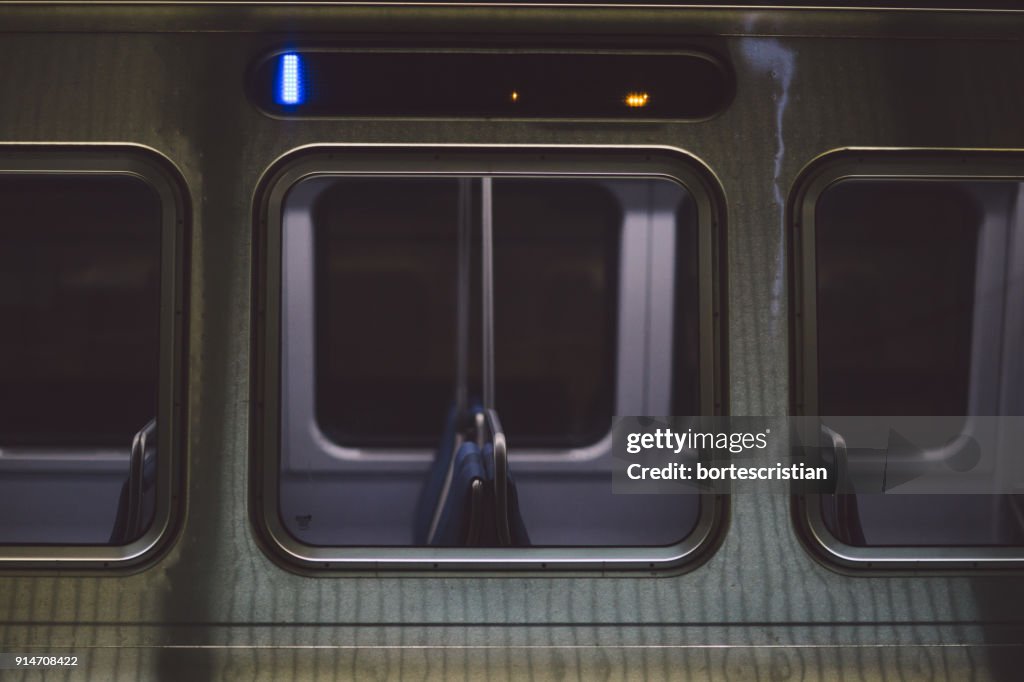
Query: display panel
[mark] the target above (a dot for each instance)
(457, 83)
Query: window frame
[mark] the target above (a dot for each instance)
(969, 165)
(160, 174)
(455, 160)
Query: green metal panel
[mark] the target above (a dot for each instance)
(180, 92)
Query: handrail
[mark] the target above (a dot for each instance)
(128, 523)
(844, 503)
(499, 446)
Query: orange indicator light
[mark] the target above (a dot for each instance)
(635, 100)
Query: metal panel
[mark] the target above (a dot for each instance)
(797, 97)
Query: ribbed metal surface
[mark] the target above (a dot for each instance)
(796, 98)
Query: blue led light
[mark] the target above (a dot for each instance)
(290, 86)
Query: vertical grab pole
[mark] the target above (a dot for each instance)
(499, 446)
(487, 290)
(462, 297)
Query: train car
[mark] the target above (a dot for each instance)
(346, 340)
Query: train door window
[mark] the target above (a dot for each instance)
(599, 287)
(89, 297)
(913, 284)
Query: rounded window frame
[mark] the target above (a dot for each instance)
(814, 180)
(511, 160)
(163, 177)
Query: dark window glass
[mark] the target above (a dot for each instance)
(386, 290)
(899, 267)
(79, 352)
(896, 272)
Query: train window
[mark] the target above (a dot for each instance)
(395, 272)
(914, 303)
(88, 298)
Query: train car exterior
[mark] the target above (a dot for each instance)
(235, 575)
